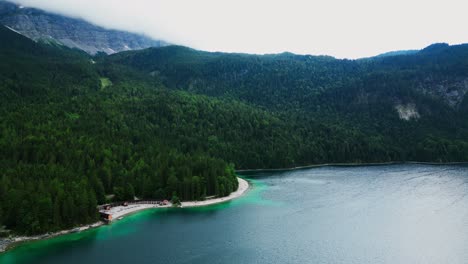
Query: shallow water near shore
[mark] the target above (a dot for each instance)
(368, 214)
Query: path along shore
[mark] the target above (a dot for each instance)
(120, 211)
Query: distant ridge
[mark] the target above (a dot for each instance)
(397, 53)
(40, 25)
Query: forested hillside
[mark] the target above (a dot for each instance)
(408, 107)
(66, 141)
(173, 121)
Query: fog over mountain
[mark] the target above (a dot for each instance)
(344, 29)
(47, 27)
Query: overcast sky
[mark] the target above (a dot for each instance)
(341, 28)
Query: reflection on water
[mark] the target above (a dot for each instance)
(377, 214)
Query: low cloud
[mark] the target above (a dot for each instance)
(349, 29)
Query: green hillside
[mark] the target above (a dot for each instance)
(66, 143)
(332, 110)
(174, 121)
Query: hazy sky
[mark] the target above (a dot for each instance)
(341, 28)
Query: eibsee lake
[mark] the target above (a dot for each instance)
(369, 214)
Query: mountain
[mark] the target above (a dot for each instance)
(407, 107)
(172, 121)
(305, 82)
(397, 53)
(74, 33)
(68, 137)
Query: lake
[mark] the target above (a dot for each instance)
(369, 214)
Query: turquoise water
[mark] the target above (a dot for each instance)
(375, 214)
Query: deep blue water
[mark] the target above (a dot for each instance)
(376, 214)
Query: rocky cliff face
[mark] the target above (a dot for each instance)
(75, 33)
(452, 91)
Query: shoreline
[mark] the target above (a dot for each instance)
(9, 243)
(243, 187)
(355, 164)
(119, 212)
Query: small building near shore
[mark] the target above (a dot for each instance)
(106, 216)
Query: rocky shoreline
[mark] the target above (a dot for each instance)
(4, 242)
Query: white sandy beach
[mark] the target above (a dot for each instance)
(243, 187)
(120, 211)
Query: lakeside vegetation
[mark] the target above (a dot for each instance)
(173, 121)
(65, 143)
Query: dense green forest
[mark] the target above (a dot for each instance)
(173, 121)
(66, 140)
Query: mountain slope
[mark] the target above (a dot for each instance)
(397, 53)
(400, 107)
(74, 33)
(286, 80)
(279, 80)
(173, 121)
(66, 140)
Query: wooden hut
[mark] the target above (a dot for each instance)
(106, 216)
